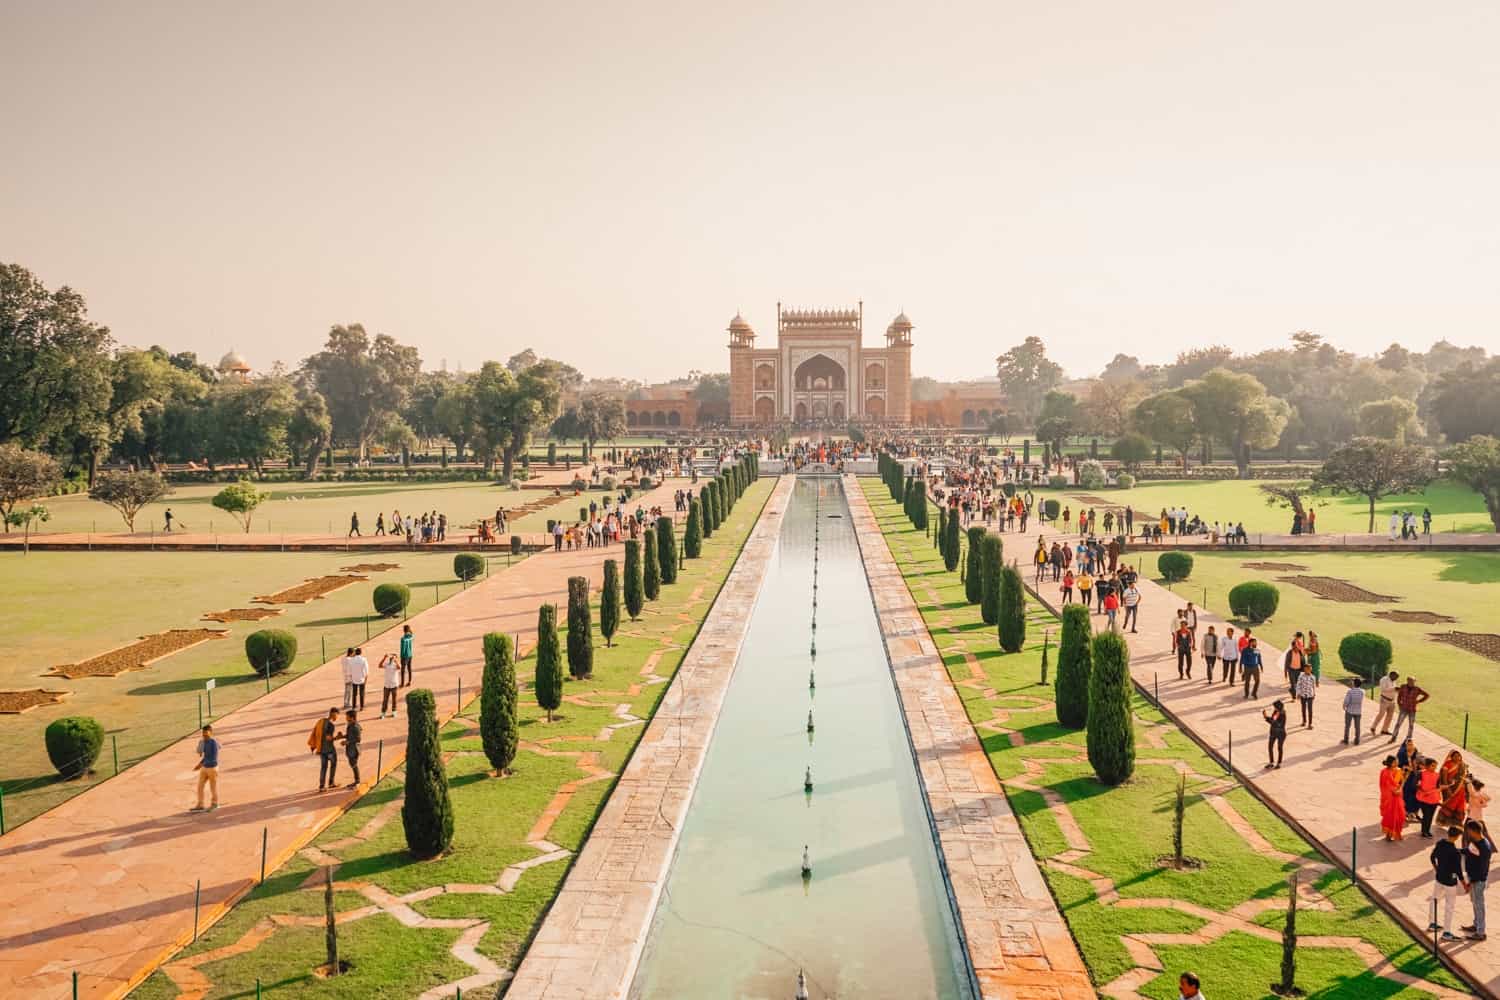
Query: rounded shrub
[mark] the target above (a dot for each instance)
(1009, 489)
(468, 565)
(270, 650)
(1091, 475)
(1125, 481)
(646, 483)
(1057, 482)
(579, 484)
(1365, 654)
(515, 483)
(1174, 566)
(391, 599)
(1255, 600)
(515, 545)
(608, 482)
(73, 744)
(1051, 508)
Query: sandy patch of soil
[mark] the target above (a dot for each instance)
(1279, 567)
(242, 615)
(1091, 500)
(16, 702)
(1333, 589)
(1486, 644)
(1419, 617)
(139, 654)
(309, 590)
(370, 567)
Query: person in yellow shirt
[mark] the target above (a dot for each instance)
(1085, 582)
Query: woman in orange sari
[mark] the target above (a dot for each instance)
(1453, 786)
(1392, 807)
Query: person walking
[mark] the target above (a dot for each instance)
(353, 526)
(1386, 705)
(1275, 717)
(1293, 661)
(1229, 654)
(1354, 705)
(167, 517)
(346, 670)
(390, 668)
(1427, 525)
(1132, 602)
(1182, 644)
(1477, 851)
(1306, 690)
(208, 770)
(1067, 587)
(1111, 608)
(1447, 872)
(1428, 796)
(324, 743)
(1085, 583)
(1210, 651)
(1408, 697)
(359, 673)
(408, 644)
(1191, 614)
(1250, 670)
(351, 737)
(1392, 808)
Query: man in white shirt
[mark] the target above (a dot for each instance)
(359, 672)
(1132, 601)
(345, 669)
(391, 666)
(1387, 712)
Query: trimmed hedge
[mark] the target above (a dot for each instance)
(1012, 610)
(73, 744)
(426, 813)
(580, 629)
(391, 599)
(974, 568)
(1255, 600)
(270, 650)
(1174, 566)
(468, 565)
(497, 702)
(1071, 686)
(1125, 481)
(1111, 730)
(1058, 482)
(1051, 508)
(1366, 654)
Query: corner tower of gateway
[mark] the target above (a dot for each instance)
(820, 371)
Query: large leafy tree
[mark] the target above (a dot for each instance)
(1168, 418)
(1393, 419)
(1476, 463)
(1235, 408)
(1466, 400)
(364, 381)
(1026, 375)
(129, 492)
(247, 421)
(309, 431)
(24, 474)
(54, 363)
(533, 403)
(1059, 419)
(490, 393)
(148, 390)
(600, 418)
(1372, 468)
(454, 413)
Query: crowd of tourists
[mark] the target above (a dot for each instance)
(427, 527)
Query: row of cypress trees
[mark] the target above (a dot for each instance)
(650, 562)
(1092, 691)
(988, 582)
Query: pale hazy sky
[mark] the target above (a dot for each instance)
(609, 182)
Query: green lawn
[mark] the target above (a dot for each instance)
(1454, 507)
(1462, 585)
(1127, 829)
(303, 508)
(63, 607)
(492, 821)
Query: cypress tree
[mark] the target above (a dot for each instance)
(609, 602)
(1071, 688)
(895, 481)
(635, 587)
(973, 570)
(942, 528)
(497, 702)
(692, 533)
(651, 575)
(549, 682)
(950, 549)
(705, 513)
(666, 549)
(726, 494)
(1012, 610)
(426, 815)
(580, 629)
(919, 507)
(908, 496)
(991, 561)
(1111, 730)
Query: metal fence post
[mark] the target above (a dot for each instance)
(379, 756)
(1156, 686)
(367, 628)
(1466, 730)
(460, 694)
(264, 837)
(1231, 752)
(200, 711)
(325, 649)
(2, 811)
(114, 742)
(1354, 855)
(197, 899)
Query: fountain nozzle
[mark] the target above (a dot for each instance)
(807, 779)
(809, 720)
(801, 993)
(806, 863)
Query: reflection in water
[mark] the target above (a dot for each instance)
(739, 917)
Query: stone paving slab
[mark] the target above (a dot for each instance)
(1328, 791)
(591, 940)
(105, 883)
(1017, 941)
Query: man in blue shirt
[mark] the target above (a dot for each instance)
(1250, 668)
(208, 770)
(407, 644)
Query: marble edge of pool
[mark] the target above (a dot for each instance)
(591, 940)
(1017, 941)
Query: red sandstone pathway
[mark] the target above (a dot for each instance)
(1326, 789)
(104, 884)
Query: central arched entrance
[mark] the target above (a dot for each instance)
(821, 373)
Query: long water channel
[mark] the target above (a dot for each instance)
(737, 918)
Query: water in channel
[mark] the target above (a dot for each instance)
(736, 918)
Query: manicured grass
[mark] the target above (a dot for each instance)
(62, 607)
(1454, 507)
(307, 508)
(1462, 585)
(493, 819)
(1128, 828)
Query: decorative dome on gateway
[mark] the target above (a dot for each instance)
(233, 362)
(901, 322)
(738, 325)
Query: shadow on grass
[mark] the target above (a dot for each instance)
(332, 622)
(196, 683)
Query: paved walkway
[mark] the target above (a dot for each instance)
(105, 883)
(591, 941)
(1327, 790)
(1017, 940)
